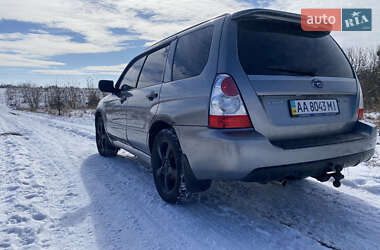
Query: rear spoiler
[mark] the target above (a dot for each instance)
(269, 15)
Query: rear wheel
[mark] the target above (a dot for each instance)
(167, 167)
(105, 147)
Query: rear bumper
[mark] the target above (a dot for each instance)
(300, 170)
(238, 153)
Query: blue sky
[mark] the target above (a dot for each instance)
(68, 41)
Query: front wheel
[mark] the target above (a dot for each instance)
(105, 147)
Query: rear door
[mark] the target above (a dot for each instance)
(297, 76)
(143, 100)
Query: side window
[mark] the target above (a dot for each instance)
(132, 74)
(191, 54)
(153, 70)
(169, 61)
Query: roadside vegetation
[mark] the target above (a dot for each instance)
(366, 63)
(54, 99)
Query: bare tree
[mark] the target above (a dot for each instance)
(55, 98)
(359, 58)
(90, 82)
(13, 99)
(92, 94)
(72, 95)
(366, 64)
(31, 95)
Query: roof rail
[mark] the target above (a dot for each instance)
(166, 38)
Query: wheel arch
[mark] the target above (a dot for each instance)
(98, 114)
(156, 127)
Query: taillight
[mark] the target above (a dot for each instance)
(361, 103)
(227, 109)
(361, 114)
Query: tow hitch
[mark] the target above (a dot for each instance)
(336, 174)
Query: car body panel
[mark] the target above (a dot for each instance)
(235, 153)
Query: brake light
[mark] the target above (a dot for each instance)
(229, 87)
(361, 114)
(361, 103)
(227, 109)
(233, 121)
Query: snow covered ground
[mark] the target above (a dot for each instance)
(56, 192)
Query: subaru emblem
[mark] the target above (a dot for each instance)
(316, 83)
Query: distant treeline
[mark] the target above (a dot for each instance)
(53, 99)
(6, 86)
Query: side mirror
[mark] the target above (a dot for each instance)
(107, 86)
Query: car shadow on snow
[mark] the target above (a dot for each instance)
(128, 213)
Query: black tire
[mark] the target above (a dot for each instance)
(167, 167)
(105, 147)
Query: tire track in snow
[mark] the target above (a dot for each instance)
(19, 227)
(153, 192)
(149, 183)
(41, 144)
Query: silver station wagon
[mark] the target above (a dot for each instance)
(246, 96)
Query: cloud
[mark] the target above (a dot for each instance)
(59, 72)
(114, 70)
(47, 45)
(17, 60)
(96, 21)
(151, 19)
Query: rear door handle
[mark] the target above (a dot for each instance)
(152, 96)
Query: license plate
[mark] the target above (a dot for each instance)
(313, 107)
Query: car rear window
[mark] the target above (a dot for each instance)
(280, 48)
(191, 54)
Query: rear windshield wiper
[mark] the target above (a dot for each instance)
(293, 71)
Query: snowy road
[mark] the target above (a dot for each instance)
(58, 193)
